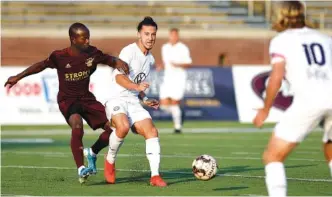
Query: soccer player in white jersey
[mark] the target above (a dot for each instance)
(176, 58)
(304, 57)
(124, 108)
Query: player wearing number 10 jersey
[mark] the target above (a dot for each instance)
(304, 57)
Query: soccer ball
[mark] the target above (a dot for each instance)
(204, 167)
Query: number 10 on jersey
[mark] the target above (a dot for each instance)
(314, 53)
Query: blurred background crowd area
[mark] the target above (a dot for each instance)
(218, 33)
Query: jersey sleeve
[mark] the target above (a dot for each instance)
(163, 53)
(186, 55)
(50, 62)
(125, 55)
(277, 50)
(102, 58)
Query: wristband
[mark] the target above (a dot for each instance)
(145, 98)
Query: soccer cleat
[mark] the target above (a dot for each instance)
(109, 172)
(177, 131)
(157, 181)
(84, 174)
(91, 161)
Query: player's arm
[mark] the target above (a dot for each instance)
(186, 60)
(120, 65)
(113, 62)
(149, 102)
(33, 69)
(274, 84)
(278, 62)
(125, 82)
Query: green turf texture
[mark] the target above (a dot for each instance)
(236, 153)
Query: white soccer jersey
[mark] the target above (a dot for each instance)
(178, 53)
(139, 67)
(307, 54)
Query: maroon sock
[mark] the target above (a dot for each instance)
(76, 145)
(102, 141)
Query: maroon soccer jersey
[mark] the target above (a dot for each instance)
(74, 71)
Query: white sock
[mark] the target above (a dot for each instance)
(165, 108)
(153, 154)
(276, 179)
(79, 169)
(114, 146)
(176, 114)
(330, 165)
(92, 153)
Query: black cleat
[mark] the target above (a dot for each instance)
(177, 131)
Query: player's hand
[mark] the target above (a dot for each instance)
(12, 81)
(152, 103)
(260, 118)
(142, 86)
(176, 65)
(122, 66)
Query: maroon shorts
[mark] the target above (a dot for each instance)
(91, 110)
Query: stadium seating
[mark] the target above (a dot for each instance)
(125, 14)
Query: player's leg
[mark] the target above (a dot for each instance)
(95, 115)
(164, 99)
(147, 129)
(117, 113)
(327, 139)
(165, 104)
(76, 142)
(273, 158)
(176, 95)
(291, 130)
(71, 111)
(177, 115)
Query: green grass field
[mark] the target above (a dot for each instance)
(48, 169)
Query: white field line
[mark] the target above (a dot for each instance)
(61, 154)
(168, 171)
(161, 130)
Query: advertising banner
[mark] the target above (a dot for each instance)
(209, 94)
(250, 85)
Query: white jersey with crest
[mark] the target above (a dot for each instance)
(307, 54)
(139, 68)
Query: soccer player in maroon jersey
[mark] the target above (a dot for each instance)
(74, 66)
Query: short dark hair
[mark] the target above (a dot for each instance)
(147, 21)
(76, 26)
(174, 29)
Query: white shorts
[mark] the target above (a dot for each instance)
(173, 87)
(300, 119)
(133, 109)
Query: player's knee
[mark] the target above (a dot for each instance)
(75, 121)
(272, 156)
(122, 129)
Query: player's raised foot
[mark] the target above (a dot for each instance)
(91, 160)
(157, 181)
(109, 172)
(84, 174)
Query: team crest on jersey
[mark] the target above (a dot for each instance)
(139, 78)
(259, 84)
(89, 61)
